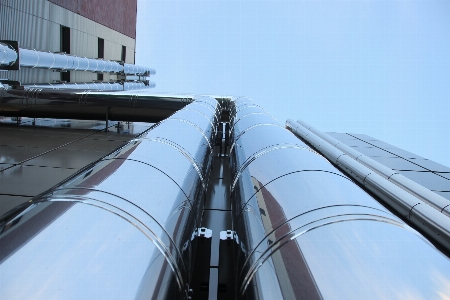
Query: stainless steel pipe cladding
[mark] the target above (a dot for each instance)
(31, 58)
(303, 230)
(8, 55)
(59, 61)
(133, 105)
(101, 86)
(121, 229)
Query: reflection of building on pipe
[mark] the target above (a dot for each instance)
(304, 230)
(65, 62)
(432, 221)
(122, 228)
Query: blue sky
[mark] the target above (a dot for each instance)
(376, 67)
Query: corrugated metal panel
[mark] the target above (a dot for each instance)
(36, 24)
(54, 34)
(112, 50)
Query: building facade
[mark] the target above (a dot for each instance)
(201, 197)
(92, 29)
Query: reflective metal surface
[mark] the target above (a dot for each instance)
(395, 177)
(121, 229)
(135, 105)
(303, 230)
(64, 62)
(101, 86)
(8, 55)
(433, 222)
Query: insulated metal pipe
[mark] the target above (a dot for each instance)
(304, 230)
(8, 55)
(433, 223)
(32, 58)
(123, 227)
(135, 105)
(417, 190)
(101, 86)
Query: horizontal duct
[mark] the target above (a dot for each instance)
(304, 230)
(134, 105)
(30, 58)
(101, 86)
(123, 227)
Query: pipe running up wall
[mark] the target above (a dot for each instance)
(438, 202)
(31, 58)
(122, 228)
(304, 230)
(432, 222)
(135, 105)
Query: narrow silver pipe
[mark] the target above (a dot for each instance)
(8, 55)
(434, 224)
(134, 105)
(31, 58)
(417, 190)
(122, 228)
(304, 230)
(101, 86)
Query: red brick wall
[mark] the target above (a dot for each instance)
(119, 15)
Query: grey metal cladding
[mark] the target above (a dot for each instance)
(429, 180)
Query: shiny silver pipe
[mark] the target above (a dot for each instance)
(135, 105)
(101, 86)
(32, 58)
(430, 221)
(417, 190)
(8, 55)
(304, 230)
(122, 228)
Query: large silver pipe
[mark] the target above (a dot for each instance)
(122, 228)
(8, 55)
(101, 86)
(135, 105)
(431, 222)
(433, 199)
(304, 230)
(32, 58)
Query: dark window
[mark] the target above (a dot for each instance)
(124, 53)
(65, 39)
(101, 48)
(65, 47)
(100, 77)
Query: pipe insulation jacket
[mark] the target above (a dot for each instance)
(121, 228)
(304, 230)
(31, 58)
(134, 105)
(417, 190)
(434, 224)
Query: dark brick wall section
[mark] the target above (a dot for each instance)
(119, 15)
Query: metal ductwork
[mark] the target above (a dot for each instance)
(304, 230)
(123, 227)
(134, 105)
(8, 55)
(101, 86)
(31, 58)
(433, 222)
(438, 202)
